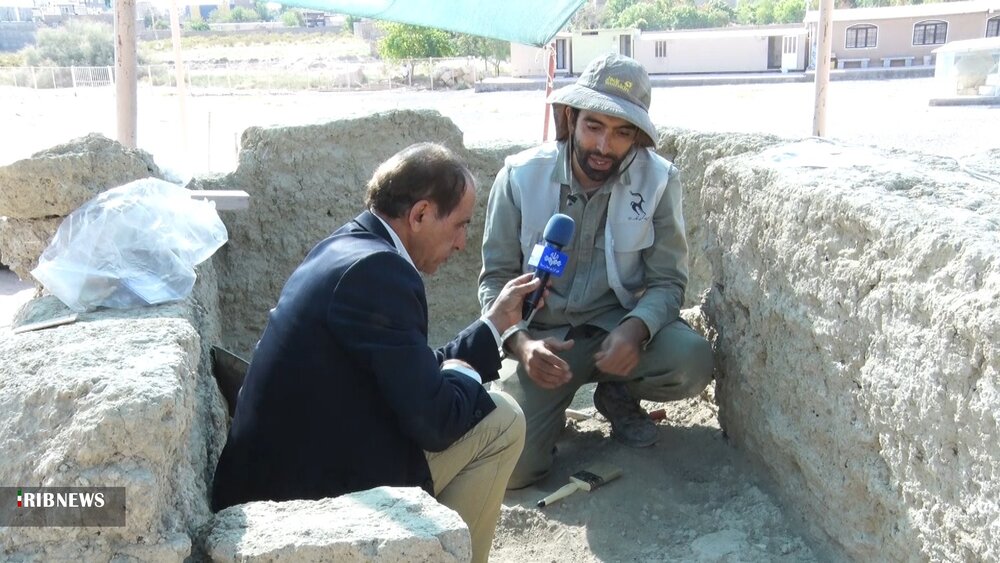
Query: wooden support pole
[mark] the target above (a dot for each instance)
(824, 43)
(125, 72)
(175, 37)
(550, 77)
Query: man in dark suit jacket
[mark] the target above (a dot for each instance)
(344, 394)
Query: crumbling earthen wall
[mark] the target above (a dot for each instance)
(855, 297)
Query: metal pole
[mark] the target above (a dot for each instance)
(825, 42)
(125, 69)
(550, 77)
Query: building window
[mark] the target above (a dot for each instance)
(993, 27)
(862, 36)
(930, 33)
(661, 49)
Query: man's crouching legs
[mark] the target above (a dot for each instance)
(470, 477)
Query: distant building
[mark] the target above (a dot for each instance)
(904, 35)
(862, 37)
(16, 10)
(733, 49)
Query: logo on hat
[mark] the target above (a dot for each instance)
(615, 82)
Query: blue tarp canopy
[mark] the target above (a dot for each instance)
(531, 22)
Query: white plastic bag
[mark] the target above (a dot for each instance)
(133, 245)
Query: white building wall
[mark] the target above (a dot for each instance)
(588, 47)
(691, 54)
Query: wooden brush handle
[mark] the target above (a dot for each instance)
(563, 492)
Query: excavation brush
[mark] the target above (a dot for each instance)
(585, 480)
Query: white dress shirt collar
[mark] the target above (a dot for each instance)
(396, 240)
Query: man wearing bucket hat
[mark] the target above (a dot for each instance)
(613, 315)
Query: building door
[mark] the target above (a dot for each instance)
(561, 55)
(790, 53)
(773, 52)
(625, 45)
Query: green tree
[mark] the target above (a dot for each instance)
(590, 16)
(403, 41)
(616, 7)
(263, 14)
(240, 14)
(492, 51)
(789, 11)
(719, 13)
(646, 16)
(686, 16)
(292, 18)
(75, 44)
(755, 12)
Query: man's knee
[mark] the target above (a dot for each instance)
(510, 418)
(691, 367)
(697, 367)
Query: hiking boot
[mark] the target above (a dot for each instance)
(630, 424)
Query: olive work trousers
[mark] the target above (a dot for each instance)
(676, 364)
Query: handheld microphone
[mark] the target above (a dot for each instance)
(547, 259)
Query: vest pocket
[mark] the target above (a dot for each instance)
(631, 236)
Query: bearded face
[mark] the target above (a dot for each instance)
(600, 144)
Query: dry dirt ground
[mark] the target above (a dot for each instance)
(693, 496)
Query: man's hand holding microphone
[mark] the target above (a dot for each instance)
(539, 357)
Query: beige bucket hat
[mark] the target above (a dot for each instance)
(614, 85)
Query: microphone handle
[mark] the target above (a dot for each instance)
(531, 301)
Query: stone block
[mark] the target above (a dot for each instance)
(56, 181)
(119, 398)
(381, 524)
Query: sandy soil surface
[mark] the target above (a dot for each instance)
(692, 497)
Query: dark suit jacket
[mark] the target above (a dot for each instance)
(344, 393)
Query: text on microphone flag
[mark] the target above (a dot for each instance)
(548, 259)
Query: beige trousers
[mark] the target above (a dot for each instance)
(471, 476)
